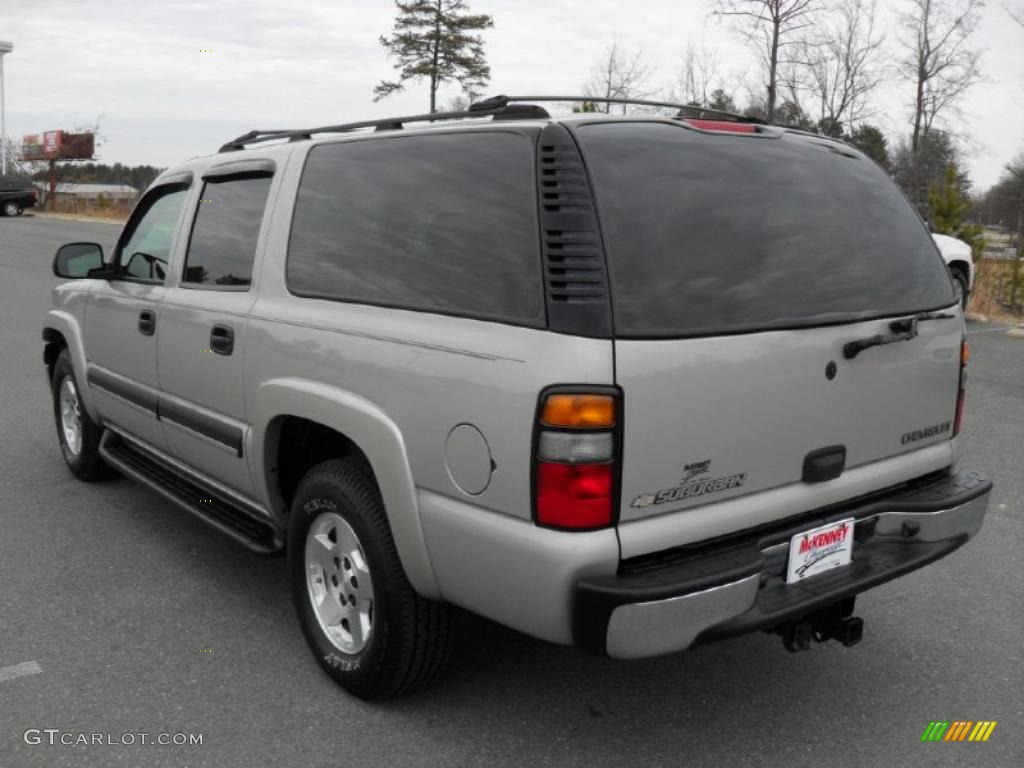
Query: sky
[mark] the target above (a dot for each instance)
(173, 79)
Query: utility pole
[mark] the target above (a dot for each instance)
(51, 196)
(5, 47)
(1017, 258)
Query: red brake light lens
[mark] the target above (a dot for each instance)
(721, 125)
(575, 458)
(576, 496)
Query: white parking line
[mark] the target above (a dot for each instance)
(19, 670)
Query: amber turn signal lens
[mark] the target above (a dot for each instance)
(579, 411)
(965, 353)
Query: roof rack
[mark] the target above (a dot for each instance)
(685, 110)
(497, 107)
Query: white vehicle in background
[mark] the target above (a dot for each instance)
(957, 255)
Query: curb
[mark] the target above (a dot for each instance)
(74, 217)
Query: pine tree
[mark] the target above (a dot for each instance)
(872, 142)
(435, 39)
(722, 101)
(948, 208)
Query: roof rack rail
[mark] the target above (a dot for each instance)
(685, 110)
(498, 107)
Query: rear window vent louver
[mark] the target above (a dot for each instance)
(574, 264)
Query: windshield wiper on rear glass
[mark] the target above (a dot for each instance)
(903, 329)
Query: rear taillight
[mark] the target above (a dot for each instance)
(575, 458)
(965, 358)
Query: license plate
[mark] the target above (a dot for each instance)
(819, 550)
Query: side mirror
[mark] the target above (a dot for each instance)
(76, 260)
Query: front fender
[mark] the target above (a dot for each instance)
(377, 436)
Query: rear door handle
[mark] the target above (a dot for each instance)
(222, 339)
(147, 322)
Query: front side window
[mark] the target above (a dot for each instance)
(146, 250)
(223, 243)
(444, 223)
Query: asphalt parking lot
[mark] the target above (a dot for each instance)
(140, 619)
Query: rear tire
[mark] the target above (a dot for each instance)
(368, 628)
(78, 434)
(12, 209)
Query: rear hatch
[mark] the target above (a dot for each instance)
(740, 266)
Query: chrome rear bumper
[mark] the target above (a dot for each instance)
(700, 594)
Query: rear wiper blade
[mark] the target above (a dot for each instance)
(903, 329)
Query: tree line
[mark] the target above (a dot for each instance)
(138, 176)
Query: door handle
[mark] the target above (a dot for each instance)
(147, 322)
(222, 339)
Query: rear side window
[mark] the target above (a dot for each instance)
(223, 243)
(444, 223)
(717, 234)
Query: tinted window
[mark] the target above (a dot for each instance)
(223, 243)
(148, 247)
(713, 234)
(15, 182)
(444, 223)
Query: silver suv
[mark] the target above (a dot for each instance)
(631, 383)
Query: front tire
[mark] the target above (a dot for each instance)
(78, 434)
(368, 628)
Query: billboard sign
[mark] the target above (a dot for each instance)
(58, 145)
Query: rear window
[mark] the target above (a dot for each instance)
(443, 223)
(719, 234)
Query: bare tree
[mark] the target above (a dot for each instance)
(458, 103)
(618, 74)
(769, 25)
(698, 76)
(839, 65)
(1016, 13)
(938, 59)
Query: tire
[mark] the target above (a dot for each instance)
(12, 209)
(82, 455)
(403, 639)
(960, 287)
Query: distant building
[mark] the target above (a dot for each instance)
(89, 192)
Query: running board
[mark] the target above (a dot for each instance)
(227, 516)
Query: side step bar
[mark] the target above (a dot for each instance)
(226, 515)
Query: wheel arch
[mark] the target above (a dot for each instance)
(346, 424)
(962, 267)
(61, 331)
